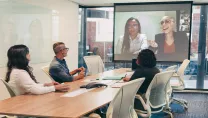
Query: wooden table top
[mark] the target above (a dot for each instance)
(53, 105)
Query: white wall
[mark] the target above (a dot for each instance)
(67, 29)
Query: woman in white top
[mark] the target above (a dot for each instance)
(133, 41)
(20, 77)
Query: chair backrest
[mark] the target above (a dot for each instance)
(183, 66)
(96, 51)
(46, 71)
(157, 90)
(174, 67)
(5, 91)
(94, 64)
(122, 106)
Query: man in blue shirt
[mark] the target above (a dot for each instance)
(59, 70)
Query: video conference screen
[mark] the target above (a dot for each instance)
(162, 28)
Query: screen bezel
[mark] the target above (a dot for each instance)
(151, 3)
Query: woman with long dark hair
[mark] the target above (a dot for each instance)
(133, 41)
(20, 77)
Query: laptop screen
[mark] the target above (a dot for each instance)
(134, 64)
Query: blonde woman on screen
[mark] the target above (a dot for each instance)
(170, 43)
(133, 41)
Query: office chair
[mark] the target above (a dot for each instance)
(94, 64)
(4, 91)
(46, 71)
(181, 85)
(5, 94)
(156, 98)
(11, 92)
(174, 67)
(122, 106)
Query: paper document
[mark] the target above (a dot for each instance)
(118, 85)
(77, 92)
(116, 77)
(100, 81)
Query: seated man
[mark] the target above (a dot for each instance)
(58, 68)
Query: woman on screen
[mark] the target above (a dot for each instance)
(133, 41)
(170, 45)
(20, 77)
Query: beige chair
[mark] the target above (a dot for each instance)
(122, 106)
(11, 92)
(46, 71)
(170, 68)
(156, 98)
(180, 75)
(94, 64)
(180, 85)
(4, 91)
(5, 94)
(174, 67)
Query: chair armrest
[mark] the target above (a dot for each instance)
(142, 101)
(181, 81)
(175, 75)
(146, 106)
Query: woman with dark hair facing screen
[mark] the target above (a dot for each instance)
(133, 41)
(146, 61)
(20, 77)
(170, 45)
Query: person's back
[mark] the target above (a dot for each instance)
(146, 61)
(148, 73)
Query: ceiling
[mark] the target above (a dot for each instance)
(110, 2)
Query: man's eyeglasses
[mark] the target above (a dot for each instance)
(165, 21)
(65, 49)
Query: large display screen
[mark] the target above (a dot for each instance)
(164, 28)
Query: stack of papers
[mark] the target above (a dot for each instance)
(118, 85)
(116, 77)
(77, 92)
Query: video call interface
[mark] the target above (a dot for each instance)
(162, 28)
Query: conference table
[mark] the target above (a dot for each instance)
(55, 105)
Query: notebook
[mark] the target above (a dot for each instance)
(116, 77)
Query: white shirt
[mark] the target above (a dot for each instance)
(136, 45)
(21, 83)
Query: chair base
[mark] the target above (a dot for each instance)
(168, 111)
(164, 109)
(182, 102)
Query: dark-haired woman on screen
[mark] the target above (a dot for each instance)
(170, 45)
(146, 61)
(20, 77)
(133, 41)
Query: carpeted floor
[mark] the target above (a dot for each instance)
(197, 106)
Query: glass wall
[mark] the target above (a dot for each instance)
(99, 38)
(99, 34)
(81, 40)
